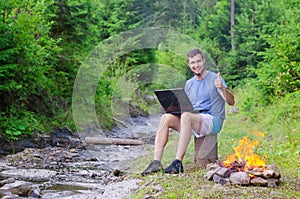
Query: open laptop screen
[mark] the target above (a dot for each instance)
(174, 101)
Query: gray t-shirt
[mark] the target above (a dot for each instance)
(205, 96)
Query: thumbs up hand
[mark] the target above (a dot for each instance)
(218, 82)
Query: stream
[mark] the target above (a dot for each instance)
(60, 165)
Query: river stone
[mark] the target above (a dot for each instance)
(268, 174)
(255, 173)
(209, 174)
(7, 181)
(25, 190)
(240, 178)
(258, 181)
(29, 174)
(223, 172)
(219, 179)
(7, 197)
(275, 169)
(13, 187)
(4, 166)
(21, 190)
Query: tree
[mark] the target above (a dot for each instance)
(232, 6)
(26, 59)
(279, 73)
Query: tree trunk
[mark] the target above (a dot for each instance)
(232, 24)
(206, 150)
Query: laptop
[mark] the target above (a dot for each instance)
(174, 101)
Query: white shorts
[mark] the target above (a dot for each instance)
(210, 125)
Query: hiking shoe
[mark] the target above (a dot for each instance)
(175, 168)
(153, 167)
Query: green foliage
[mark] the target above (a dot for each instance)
(43, 43)
(119, 15)
(216, 26)
(26, 59)
(279, 74)
(18, 124)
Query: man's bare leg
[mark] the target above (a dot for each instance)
(167, 121)
(162, 134)
(189, 121)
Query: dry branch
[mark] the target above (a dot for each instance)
(109, 141)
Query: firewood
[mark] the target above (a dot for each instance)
(275, 169)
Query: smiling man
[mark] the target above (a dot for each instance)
(208, 93)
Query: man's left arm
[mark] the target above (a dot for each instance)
(225, 93)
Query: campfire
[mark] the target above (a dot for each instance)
(244, 167)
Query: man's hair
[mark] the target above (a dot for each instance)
(193, 53)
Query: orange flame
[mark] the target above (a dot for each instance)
(244, 153)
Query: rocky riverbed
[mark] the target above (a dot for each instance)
(56, 172)
(64, 168)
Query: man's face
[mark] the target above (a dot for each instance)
(196, 64)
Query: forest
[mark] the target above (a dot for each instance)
(79, 63)
(254, 44)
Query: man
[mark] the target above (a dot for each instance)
(208, 93)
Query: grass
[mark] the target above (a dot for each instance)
(281, 144)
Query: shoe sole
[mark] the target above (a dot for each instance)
(148, 173)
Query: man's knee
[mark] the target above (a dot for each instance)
(190, 117)
(166, 116)
(170, 120)
(186, 116)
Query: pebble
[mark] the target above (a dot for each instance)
(7, 197)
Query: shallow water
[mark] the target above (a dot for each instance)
(79, 173)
